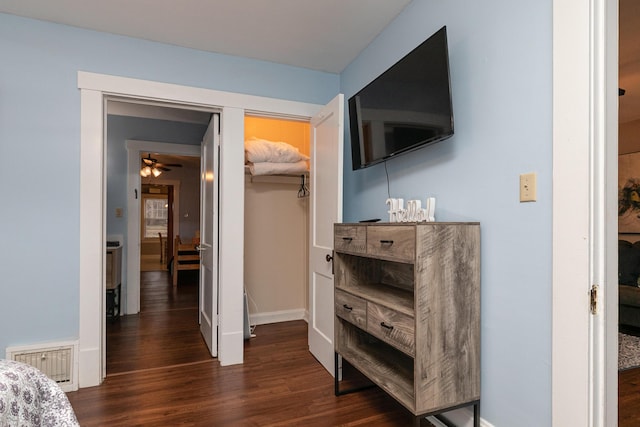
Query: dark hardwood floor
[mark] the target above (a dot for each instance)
(164, 333)
(159, 374)
(629, 398)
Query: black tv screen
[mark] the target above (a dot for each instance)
(406, 107)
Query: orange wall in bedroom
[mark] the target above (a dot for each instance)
(289, 131)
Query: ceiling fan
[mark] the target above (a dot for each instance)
(150, 166)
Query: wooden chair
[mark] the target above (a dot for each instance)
(163, 248)
(185, 257)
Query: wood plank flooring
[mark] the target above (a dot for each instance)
(151, 263)
(629, 398)
(164, 333)
(159, 374)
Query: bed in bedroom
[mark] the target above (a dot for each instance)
(29, 398)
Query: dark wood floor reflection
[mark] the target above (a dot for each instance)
(159, 374)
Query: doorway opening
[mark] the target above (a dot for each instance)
(95, 89)
(628, 350)
(166, 204)
(156, 215)
(276, 276)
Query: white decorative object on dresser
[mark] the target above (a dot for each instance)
(407, 303)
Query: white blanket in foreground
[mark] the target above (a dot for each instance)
(269, 168)
(29, 398)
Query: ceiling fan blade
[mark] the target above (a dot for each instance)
(148, 160)
(162, 168)
(173, 165)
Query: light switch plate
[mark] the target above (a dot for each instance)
(528, 187)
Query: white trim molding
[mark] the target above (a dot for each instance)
(462, 417)
(583, 353)
(277, 316)
(92, 254)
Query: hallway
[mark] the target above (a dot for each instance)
(164, 333)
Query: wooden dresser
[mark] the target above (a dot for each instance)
(407, 304)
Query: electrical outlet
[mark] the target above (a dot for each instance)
(528, 187)
(118, 212)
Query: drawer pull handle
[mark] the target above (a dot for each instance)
(386, 242)
(384, 325)
(347, 307)
(347, 239)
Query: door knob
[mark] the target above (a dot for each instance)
(328, 258)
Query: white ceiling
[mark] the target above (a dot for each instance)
(147, 111)
(321, 35)
(187, 162)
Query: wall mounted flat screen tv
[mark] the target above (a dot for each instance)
(406, 107)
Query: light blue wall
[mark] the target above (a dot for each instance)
(120, 129)
(500, 54)
(40, 151)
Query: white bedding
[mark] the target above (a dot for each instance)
(29, 398)
(270, 168)
(261, 150)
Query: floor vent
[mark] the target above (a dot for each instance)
(58, 361)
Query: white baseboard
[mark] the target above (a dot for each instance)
(277, 316)
(462, 417)
(231, 348)
(89, 367)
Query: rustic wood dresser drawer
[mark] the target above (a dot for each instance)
(351, 308)
(350, 238)
(392, 242)
(394, 328)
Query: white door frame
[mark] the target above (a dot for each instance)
(131, 292)
(94, 89)
(584, 349)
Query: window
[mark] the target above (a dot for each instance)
(154, 216)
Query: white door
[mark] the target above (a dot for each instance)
(209, 236)
(326, 209)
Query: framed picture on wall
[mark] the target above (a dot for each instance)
(629, 193)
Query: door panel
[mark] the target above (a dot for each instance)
(209, 237)
(323, 298)
(326, 209)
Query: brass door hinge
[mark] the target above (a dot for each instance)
(593, 299)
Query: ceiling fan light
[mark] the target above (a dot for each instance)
(156, 172)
